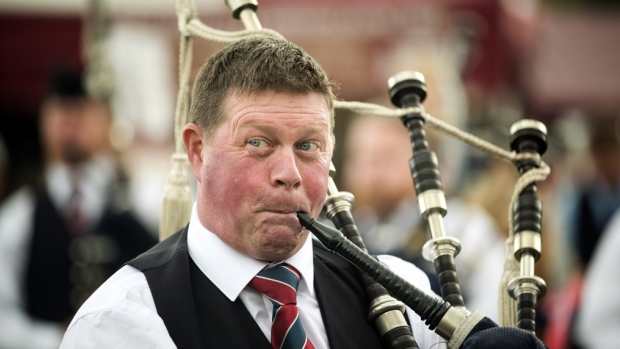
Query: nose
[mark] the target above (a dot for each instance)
(284, 171)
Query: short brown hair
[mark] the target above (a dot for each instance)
(252, 65)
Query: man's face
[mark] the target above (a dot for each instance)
(269, 159)
(376, 168)
(74, 130)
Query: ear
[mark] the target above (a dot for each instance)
(194, 145)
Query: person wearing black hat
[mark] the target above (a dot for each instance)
(62, 236)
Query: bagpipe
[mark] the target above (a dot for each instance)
(386, 292)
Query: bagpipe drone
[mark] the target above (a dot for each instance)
(386, 291)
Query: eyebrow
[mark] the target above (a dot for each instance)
(267, 128)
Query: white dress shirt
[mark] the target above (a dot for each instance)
(17, 329)
(122, 313)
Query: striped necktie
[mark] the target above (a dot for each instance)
(280, 284)
(74, 214)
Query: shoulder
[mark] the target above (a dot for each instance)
(598, 321)
(17, 209)
(612, 231)
(406, 270)
(126, 291)
(319, 251)
(163, 252)
(416, 277)
(120, 313)
(19, 202)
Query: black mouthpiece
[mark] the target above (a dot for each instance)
(304, 219)
(328, 236)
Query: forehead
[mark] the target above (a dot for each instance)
(64, 104)
(267, 107)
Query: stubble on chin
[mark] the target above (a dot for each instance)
(277, 246)
(73, 154)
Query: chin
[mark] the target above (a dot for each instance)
(74, 155)
(280, 245)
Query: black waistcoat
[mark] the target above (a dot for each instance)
(62, 271)
(198, 315)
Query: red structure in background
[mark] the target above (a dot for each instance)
(491, 62)
(551, 60)
(31, 46)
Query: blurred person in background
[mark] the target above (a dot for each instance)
(597, 240)
(376, 170)
(62, 236)
(585, 193)
(598, 321)
(599, 196)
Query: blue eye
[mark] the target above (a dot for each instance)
(257, 142)
(308, 146)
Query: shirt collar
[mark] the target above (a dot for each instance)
(219, 261)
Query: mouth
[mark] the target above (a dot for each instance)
(284, 208)
(281, 211)
(285, 216)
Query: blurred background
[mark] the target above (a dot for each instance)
(487, 64)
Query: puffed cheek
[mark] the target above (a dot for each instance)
(317, 198)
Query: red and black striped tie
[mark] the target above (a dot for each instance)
(75, 217)
(280, 284)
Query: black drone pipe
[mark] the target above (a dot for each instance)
(408, 89)
(385, 311)
(430, 309)
(438, 315)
